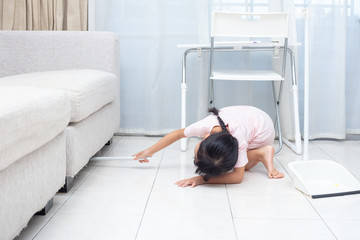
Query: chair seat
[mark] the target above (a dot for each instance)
(247, 75)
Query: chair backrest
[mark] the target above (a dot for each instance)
(234, 24)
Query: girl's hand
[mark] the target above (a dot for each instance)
(193, 182)
(142, 156)
(162, 143)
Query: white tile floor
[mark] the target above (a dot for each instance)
(129, 200)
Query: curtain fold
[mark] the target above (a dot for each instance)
(327, 69)
(352, 89)
(150, 60)
(43, 15)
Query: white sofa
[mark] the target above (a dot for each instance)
(32, 152)
(81, 69)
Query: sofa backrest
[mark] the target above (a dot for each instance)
(33, 51)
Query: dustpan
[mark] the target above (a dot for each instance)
(319, 178)
(323, 178)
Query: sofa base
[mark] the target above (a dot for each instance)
(69, 183)
(109, 142)
(47, 208)
(27, 185)
(86, 138)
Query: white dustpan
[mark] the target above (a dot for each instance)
(323, 178)
(319, 178)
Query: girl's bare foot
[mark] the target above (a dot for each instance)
(275, 174)
(269, 164)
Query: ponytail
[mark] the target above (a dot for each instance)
(221, 122)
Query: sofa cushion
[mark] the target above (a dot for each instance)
(29, 118)
(88, 89)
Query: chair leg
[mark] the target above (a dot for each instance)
(279, 128)
(211, 81)
(183, 141)
(277, 122)
(211, 93)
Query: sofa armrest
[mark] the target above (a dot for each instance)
(34, 51)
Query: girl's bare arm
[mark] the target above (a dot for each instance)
(233, 177)
(162, 143)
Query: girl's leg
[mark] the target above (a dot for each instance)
(265, 155)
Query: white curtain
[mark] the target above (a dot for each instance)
(151, 63)
(334, 75)
(352, 90)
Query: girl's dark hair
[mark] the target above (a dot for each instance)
(217, 153)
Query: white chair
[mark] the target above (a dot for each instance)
(251, 29)
(233, 31)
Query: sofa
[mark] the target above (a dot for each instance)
(32, 152)
(59, 105)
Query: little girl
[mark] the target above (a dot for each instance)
(235, 139)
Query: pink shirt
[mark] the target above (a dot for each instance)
(252, 128)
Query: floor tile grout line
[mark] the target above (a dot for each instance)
(284, 168)
(313, 207)
(147, 201)
(231, 213)
(110, 148)
(306, 197)
(322, 150)
(72, 192)
(152, 188)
